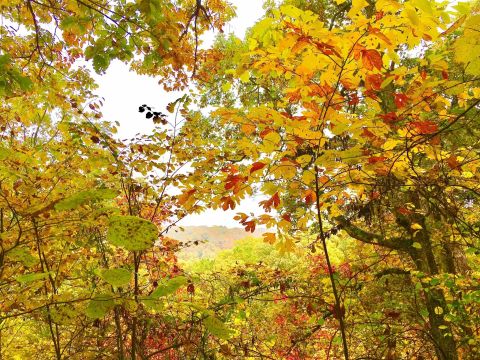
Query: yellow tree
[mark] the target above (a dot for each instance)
(366, 115)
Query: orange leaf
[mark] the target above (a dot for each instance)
(425, 127)
(256, 166)
(309, 196)
(376, 32)
(250, 226)
(373, 82)
(248, 128)
(372, 59)
(274, 201)
(182, 199)
(376, 159)
(453, 162)
(269, 238)
(227, 203)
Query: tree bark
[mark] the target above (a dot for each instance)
(440, 331)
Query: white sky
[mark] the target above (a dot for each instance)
(125, 91)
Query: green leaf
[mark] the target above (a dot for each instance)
(4, 60)
(28, 278)
(132, 233)
(100, 62)
(169, 287)
(417, 245)
(117, 277)
(217, 328)
(24, 82)
(99, 306)
(84, 197)
(23, 255)
(153, 304)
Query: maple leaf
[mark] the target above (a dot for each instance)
(250, 226)
(274, 201)
(234, 182)
(185, 196)
(227, 203)
(372, 59)
(269, 238)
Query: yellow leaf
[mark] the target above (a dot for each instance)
(248, 128)
(390, 144)
(269, 238)
(245, 77)
(416, 226)
(357, 5)
(226, 86)
(438, 310)
(308, 177)
(304, 159)
(412, 16)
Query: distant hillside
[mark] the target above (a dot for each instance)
(206, 241)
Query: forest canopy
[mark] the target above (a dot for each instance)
(355, 123)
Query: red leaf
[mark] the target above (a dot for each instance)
(453, 162)
(274, 201)
(445, 74)
(400, 100)
(250, 226)
(265, 132)
(256, 166)
(376, 159)
(367, 133)
(227, 203)
(354, 100)
(372, 59)
(234, 182)
(404, 211)
(389, 118)
(425, 127)
(309, 196)
(373, 82)
(375, 195)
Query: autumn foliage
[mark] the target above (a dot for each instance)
(355, 124)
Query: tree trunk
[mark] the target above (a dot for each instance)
(440, 330)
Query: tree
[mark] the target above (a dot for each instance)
(364, 118)
(357, 121)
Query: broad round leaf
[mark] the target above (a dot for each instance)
(117, 277)
(23, 255)
(217, 328)
(28, 278)
(99, 306)
(132, 233)
(169, 287)
(84, 197)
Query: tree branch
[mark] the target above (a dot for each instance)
(397, 243)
